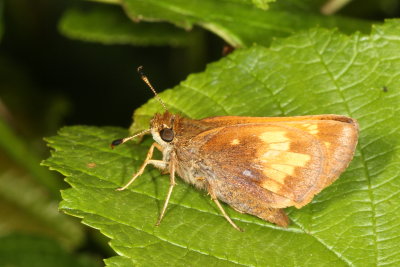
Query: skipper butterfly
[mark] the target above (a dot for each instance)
(257, 165)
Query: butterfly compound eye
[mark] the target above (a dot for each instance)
(167, 134)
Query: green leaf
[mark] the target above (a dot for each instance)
(354, 222)
(108, 24)
(25, 250)
(237, 22)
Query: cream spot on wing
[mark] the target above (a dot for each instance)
(278, 164)
(271, 186)
(274, 137)
(235, 142)
(275, 175)
(283, 168)
(296, 159)
(271, 154)
(311, 128)
(280, 146)
(306, 125)
(287, 158)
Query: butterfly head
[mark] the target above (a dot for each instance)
(162, 129)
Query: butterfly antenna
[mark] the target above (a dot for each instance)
(126, 139)
(146, 80)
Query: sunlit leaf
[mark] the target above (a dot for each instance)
(355, 221)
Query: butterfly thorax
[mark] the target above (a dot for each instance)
(175, 134)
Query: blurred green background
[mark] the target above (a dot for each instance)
(49, 78)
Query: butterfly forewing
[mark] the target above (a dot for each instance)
(292, 159)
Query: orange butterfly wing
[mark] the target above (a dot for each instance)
(290, 159)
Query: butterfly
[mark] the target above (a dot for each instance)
(257, 165)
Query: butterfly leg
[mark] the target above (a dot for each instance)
(215, 199)
(156, 163)
(171, 187)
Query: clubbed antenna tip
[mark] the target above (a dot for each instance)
(126, 139)
(116, 143)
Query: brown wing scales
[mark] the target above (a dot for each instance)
(293, 160)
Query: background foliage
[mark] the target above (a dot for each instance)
(65, 64)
